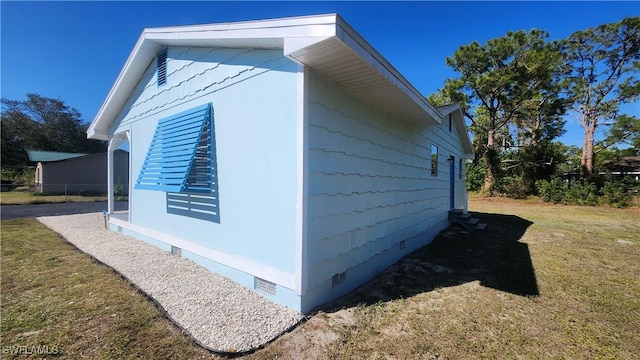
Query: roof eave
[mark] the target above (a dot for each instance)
(300, 38)
(127, 79)
(153, 39)
(357, 43)
(460, 126)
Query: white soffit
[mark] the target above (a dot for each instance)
(325, 43)
(335, 60)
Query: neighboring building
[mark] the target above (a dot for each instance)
(71, 173)
(627, 167)
(50, 156)
(286, 154)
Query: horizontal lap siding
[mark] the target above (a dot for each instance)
(370, 185)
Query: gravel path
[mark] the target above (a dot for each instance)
(218, 313)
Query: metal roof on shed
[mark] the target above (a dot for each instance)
(49, 156)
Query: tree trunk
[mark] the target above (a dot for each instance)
(489, 155)
(586, 162)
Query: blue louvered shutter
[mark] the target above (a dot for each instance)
(179, 157)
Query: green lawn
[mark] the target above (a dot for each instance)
(543, 281)
(60, 299)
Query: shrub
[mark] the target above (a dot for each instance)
(553, 190)
(616, 193)
(514, 187)
(20, 176)
(582, 193)
(474, 176)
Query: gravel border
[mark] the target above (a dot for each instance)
(219, 314)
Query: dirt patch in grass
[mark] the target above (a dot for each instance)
(58, 301)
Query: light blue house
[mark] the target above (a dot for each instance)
(285, 154)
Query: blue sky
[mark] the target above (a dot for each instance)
(75, 50)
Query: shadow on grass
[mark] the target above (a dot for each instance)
(495, 257)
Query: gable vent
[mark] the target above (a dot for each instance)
(162, 67)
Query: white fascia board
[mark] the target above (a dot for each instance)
(364, 50)
(310, 24)
(318, 30)
(320, 26)
(92, 133)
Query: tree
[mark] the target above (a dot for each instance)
(601, 74)
(512, 80)
(17, 132)
(626, 130)
(539, 121)
(44, 124)
(532, 163)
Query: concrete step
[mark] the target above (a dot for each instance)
(453, 214)
(456, 216)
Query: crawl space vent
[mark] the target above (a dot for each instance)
(266, 286)
(338, 279)
(176, 251)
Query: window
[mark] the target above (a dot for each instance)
(162, 67)
(434, 160)
(460, 168)
(179, 158)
